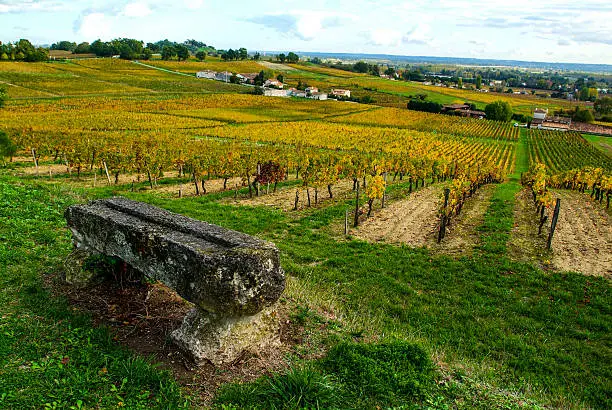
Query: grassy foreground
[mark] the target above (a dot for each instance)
(477, 332)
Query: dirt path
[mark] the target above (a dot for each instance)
(524, 243)
(462, 235)
(284, 198)
(412, 221)
(582, 241)
(583, 238)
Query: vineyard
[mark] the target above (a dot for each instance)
(404, 236)
(562, 151)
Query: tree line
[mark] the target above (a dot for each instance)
(22, 50)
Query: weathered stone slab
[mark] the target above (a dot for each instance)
(228, 275)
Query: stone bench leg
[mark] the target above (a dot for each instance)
(219, 339)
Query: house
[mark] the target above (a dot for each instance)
(274, 84)
(249, 77)
(274, 92)
(298, 93)
(318, 96)
(242, 79)
(208, 74)
(463, 110)
(223, 76)
(337, 92)
(539, 116)
(311, 90)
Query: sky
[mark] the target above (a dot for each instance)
(530, 30)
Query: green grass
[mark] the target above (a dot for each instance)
(50, 356)
(601, 142)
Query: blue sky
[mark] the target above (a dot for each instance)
(554, 31)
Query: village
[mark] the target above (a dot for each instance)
(273, 87)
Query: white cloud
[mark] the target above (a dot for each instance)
(385, 37)
(420, 34)
(96, 25)
(136, 10)
(303, 24)
(17, 6)
(193, 4)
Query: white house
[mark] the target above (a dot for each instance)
(318, 96)
(273, 92)
(540, 114)
(311, 90)
(273, 83)
(223, 76)
(341, 93)
(206, 74)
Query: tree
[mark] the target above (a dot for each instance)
(499, 111)
(361, 67)
(478, 82)
(243, 54)
(603, 106)
(460, 83)
(182, 52)
(168, 52)
(7, 147)
(292, 58)
(583, 116)
(64, 45)
(281, 57)
(256, 56)
(146, 54)
(588, 94)
(201, 55)
(390, 71)
(280, 78)
(82, 48)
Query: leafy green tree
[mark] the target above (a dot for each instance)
(64, 45)
(460, 83)
(243, 54)
(281, 57)
(292, 58)
(361, 67)
(168, 52)
(182, 52)
(257, 56)
(583, 116)
(8, 149)
(280, 78)
(146, 54)
(603, 106)
(82, 48)
(478, 82)
(499, 111)
(588, 94)
(390, 71)
(201, 55)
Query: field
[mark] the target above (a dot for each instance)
(389, 314)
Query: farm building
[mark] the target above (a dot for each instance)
(337, 92)
(211, 75)
(273, 84)
(274, 92)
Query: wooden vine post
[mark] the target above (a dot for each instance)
(107, 174)
(35, 160)
(356, 223)
(443, 221)
(554, 224)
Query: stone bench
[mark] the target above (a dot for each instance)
(233, 279)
